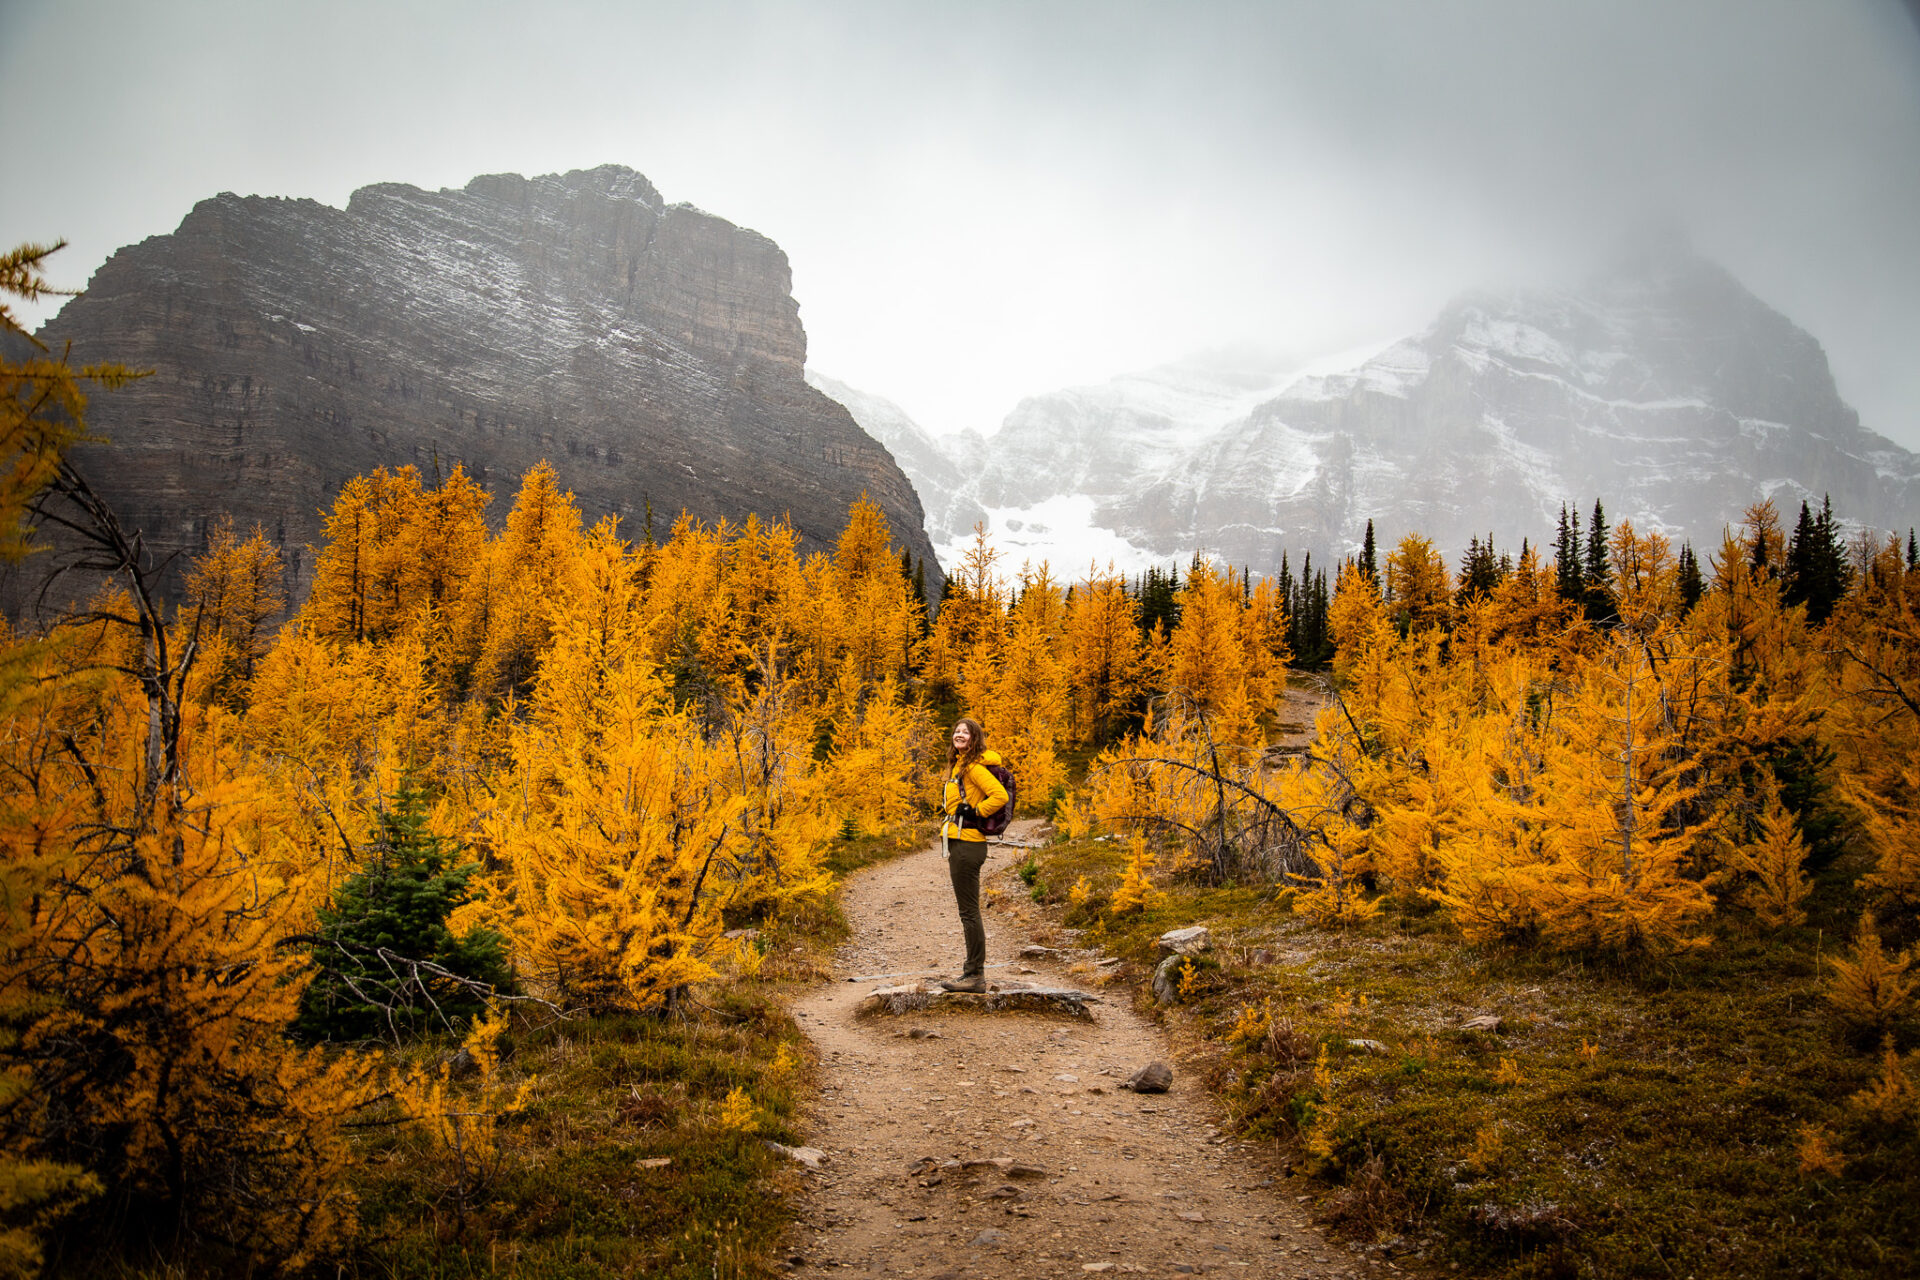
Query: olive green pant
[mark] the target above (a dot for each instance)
(964, 860)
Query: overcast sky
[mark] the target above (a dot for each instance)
(983, 201)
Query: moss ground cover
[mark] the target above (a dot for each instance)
(578, 1189)
(1689, 1116)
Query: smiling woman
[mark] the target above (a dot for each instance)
(972, 794)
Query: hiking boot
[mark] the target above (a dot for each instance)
(975, 985)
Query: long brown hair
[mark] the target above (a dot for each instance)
(976, 743)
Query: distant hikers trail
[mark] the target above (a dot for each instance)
(972, 1144)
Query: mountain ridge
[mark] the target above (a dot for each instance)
(651, 352)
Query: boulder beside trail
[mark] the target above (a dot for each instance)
(1155, 1077)
(1190, 941)
(1166, 979)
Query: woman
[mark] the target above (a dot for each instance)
(972, 792)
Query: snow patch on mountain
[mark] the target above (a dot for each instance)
(1063, 532)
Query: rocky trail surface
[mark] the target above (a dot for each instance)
(967, 1143)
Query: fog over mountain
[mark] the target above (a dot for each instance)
(1660, 385)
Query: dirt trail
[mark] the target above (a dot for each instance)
(1133, 1184)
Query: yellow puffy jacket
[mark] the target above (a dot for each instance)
(978, 788)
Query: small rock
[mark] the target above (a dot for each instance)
(1108, 962)
(1192, 1215)
(1190, 941)
(655, 1162)
(1166, 979)
(1037, 952)
(1367, 1046)
(1488, 1022)
(988, 1239)
(922, 1033)
(1261, 956)
(747, 935)
(1096, 1266)
(811, 1157)
(1155, 1077)
(1067, 1079)
(1004, 1193)
(1026, 1171)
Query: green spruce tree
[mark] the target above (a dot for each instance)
(1569, 577)
(1291, 605)
(1596, 574)
(1692, 585)
(1479, 571)
(389, 968)
(1817, 573)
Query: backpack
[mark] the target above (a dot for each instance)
(994, 823)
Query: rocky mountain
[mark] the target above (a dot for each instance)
(938, 470)
(1661, 386)
(652, 352)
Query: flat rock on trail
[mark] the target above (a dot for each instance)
(1132, 1184)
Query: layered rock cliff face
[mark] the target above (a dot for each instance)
(1661, 386)
(651, 352)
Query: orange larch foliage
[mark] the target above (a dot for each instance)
(1105, 655)
(1875, 720)
(1026, 705)
(233, 590)
(1419, 588)
(971, 624)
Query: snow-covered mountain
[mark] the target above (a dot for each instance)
(1661, 386)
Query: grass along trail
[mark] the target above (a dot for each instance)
(1132, 1184)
